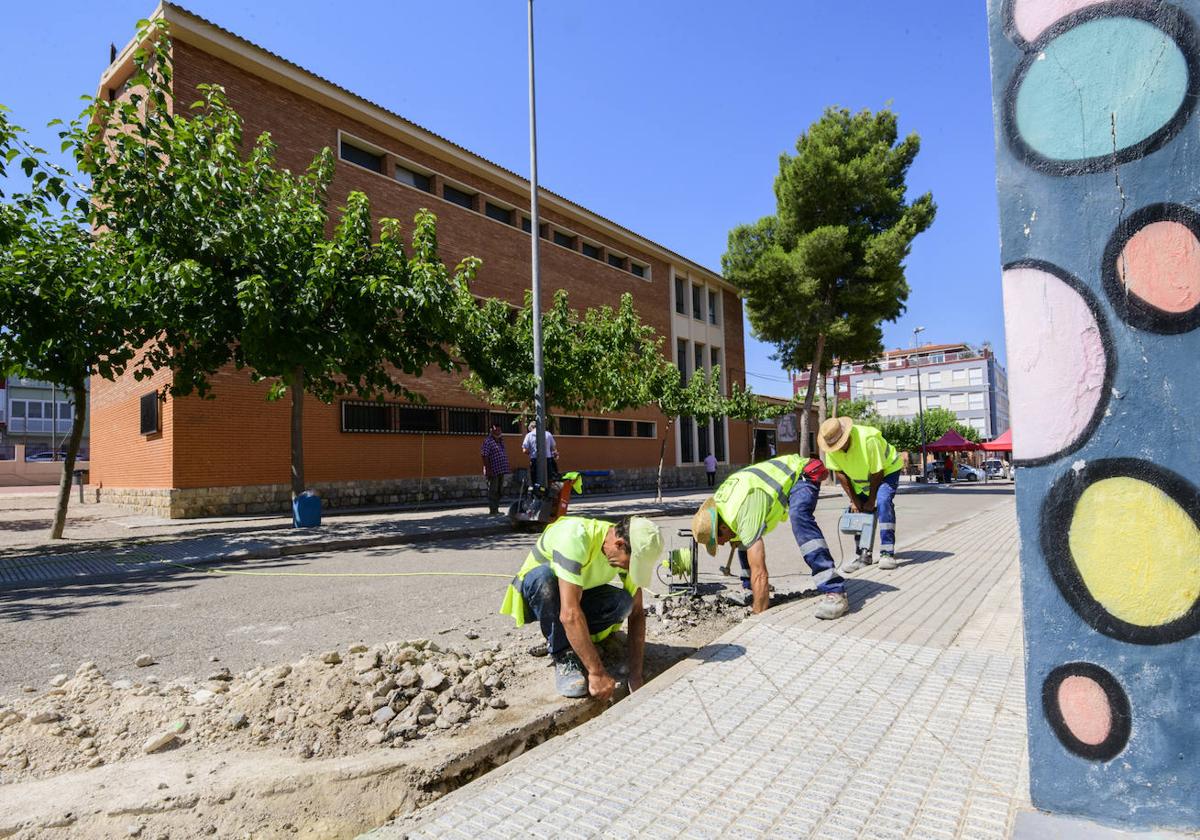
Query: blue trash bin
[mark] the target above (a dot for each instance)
(306, 510)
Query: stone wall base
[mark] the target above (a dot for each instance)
(195, 502)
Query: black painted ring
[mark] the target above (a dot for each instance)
(1128, 306)
(1058, 510)
(1118, 704)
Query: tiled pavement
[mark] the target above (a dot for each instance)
(904, 719)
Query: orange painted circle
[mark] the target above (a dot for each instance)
(1161, 265)
(1085, 709)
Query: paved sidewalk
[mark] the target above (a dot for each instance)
(905, 719)
(208, 542)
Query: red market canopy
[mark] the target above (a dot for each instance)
(1000, 444)
(952, 441)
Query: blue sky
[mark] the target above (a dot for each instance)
(666, 116)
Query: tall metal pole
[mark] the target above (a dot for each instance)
(920, 406)
(54, 420)
(541, 478)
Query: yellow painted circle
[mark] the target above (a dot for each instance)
(1137, 551)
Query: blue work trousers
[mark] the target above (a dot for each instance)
(802, 502)
(603, 606)
(885, 503)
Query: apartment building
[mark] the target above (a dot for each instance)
(966, 380)
(187, 457)
(38, 415)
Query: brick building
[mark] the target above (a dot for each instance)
(189, 457)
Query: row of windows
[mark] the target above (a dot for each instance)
(933, 379)
(37, 410)
(478, 203)
(972, 400)
(699, 312)
(697, 440)
(405, 418)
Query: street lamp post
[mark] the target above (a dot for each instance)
(920, 404)
(541, 479)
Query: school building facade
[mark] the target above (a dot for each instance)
(191, 457)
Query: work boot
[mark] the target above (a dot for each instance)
(857, 564)
(569, 677)
(887, 560)
(833, 605)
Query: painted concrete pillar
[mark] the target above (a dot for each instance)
(1098, 159)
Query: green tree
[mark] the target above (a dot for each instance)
(597, 360)
(700, 398)
(235, 254)
(66, 310)
(827, 268)
(743, 404)
(860, 410)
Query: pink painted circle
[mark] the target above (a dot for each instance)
(1058, 362)
(1033, 17)
(1085, 709)
(1161, 265)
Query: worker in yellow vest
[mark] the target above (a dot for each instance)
(753, 501)
(868, 469)
(565, 584)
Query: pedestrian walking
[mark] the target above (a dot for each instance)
(868, 469)
(564, 585)
(495, 467)
(529, 447)
(710, 468)
(751, 502)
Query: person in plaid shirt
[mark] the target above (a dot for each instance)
(495, 466)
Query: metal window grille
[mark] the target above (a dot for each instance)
(404, 418)
(149, 414)
(622, 428)
(646, 429)
(597, 427)
(570, 425)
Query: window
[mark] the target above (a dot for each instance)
(976, 375)
(933, 401)
(622, 428)
(715, 359)
(148, 414)
(699, 368)
(935, 380)
(680, 303)
(616, 261)
(681, 357)
(958, 400)
(937, 358)
(687, 452)
(697, 306)
(912, 380)
(977, 424)
(637, 270)
(877, 385)
(18, 408)
(712, 307)
(495, 211)
(413, 179)
(526, 224)
(702, 440)
(65, 410)
(959, 374)
(456, 196)
(466, 421)
(901, 383)
(904, 406)
(570, 425)
(597, 427)
(593, 251)
(564, 239)
(35, 410)
(361, 157)
(719, 438)
(975, 399)
(510, 424)
(646, 429)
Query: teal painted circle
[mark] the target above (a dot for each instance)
(1100, 87)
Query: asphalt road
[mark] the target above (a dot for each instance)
(317, 602)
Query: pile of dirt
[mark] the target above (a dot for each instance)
(326, 705)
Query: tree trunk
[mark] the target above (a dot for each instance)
(296, 385)
(662, 454)
(754, 438)
(803, 447)
(68, 470)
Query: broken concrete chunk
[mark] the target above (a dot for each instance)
(144, 661)
(46, 717)
(160, 742)
(432, 678)
(383, 715)
(331, 657)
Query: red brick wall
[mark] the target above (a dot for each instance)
(240, 438)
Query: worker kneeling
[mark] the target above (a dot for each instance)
(753, 501)
(868, 468)
(564, 583)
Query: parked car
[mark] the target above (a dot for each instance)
(42, 457)
(968, 473)
(996, 468)
(933, 474)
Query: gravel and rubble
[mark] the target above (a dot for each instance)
(336, 703)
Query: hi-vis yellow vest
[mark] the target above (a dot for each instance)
(776, 476)
(572, 548)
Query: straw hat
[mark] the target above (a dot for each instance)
(834, 433)
(704, 526)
